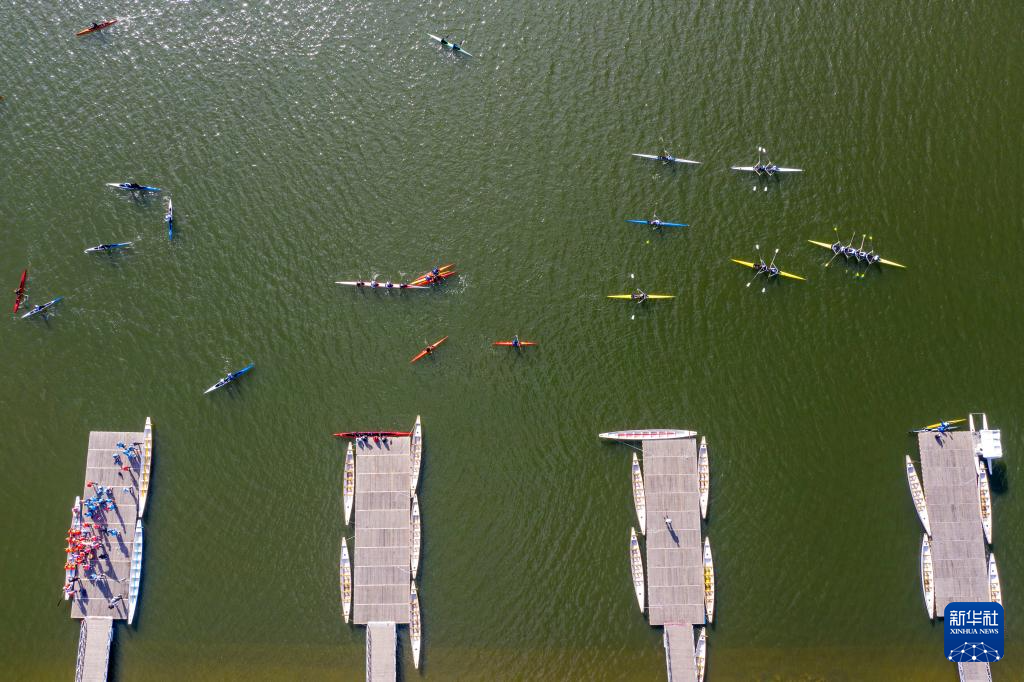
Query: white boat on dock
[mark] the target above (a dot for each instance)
(700, 653)
(146, 464)
(348, 489)
(415, 631)
(984, 500)
(639, 499)
(927, 581)
(917, 492)
(636, 564)
(345, 578)
(646, 434)
(995, 590)
(703, 476)
(709, 582)
(416, 449)
(415, 558)
(135, 572)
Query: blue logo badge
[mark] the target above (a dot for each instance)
(974, 631)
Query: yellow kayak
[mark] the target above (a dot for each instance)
(787, 275)
(650, 297)
(948, 421)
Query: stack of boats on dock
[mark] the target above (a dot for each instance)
(348, 495)
(981, 438)
(640, 505)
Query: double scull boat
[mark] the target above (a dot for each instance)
(768, 168)
(348, 486)
(229, 378)
(639, 499)
(769, 270)
(654, 222)
(666, 157)
(636, 564)
(917, 492)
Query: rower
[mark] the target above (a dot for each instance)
(515, 341)
(435, 272)
(665, 156)
(374, 284)
(773, 271)
(134, 185)
(654, 221)
(360, 283)
(444, 41)
(389, 285)
(640, 296)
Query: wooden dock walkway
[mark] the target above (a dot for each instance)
(383, 551)
(674, 561)
(94, 597)
(381, 649)
(94, 649)
(679, 653)
(959, 558)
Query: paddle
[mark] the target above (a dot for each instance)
(757, 247)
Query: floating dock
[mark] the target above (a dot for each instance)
(949, 465)
(383, 548)
(101, 593)
(673, 551)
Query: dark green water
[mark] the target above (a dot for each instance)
(308, 142)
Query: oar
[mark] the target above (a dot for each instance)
(835, 253)
(757, 247)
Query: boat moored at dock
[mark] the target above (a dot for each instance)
(348, 489)
(984, 501)
(414, 560)
(416, 455)
(135, 572)
(709, 582)
(995, 590)
(703, 477)
(927, 580)
(639, 500)
(345, 578)
(917, 492)
(415, 628)
(145, 465)
(700, 653)
(647, 434)
(636, 564)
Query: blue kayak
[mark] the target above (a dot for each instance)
(133, 187)
(229, 378)
(655, 223)
(42, 308)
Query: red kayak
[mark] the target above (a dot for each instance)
(373, 434)
(97, 27)
(19, 293)
(444, 271)
(428, 350)
(511, 344)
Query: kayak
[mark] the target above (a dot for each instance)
(650, 297)
(671, 159)
(751, 169)
(19, 293)
(128, 187)
(454, 47)
(369, 285)
(444, 274)
(42, 308)
(98, 27)
(107, 247)
(640, 221)
(428, 350)
(510, 344)
(373, 434)
(787, 275)
(169, 219)
(229, 378)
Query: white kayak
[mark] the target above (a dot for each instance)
(670, 159)
(454, 47)
(383, 286)
(752, 169)
(647, 434)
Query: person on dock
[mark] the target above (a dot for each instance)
(668, 521)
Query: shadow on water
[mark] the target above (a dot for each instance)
(999, 481)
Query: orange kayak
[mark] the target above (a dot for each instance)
(428, 350)
(443, 272)
(98, 27)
